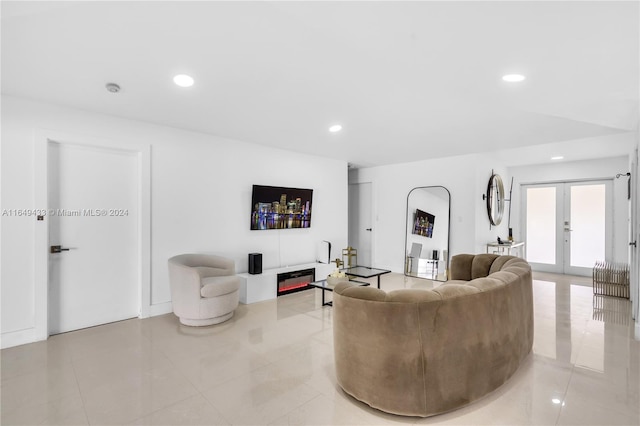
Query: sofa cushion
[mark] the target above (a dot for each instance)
(481, 265)
(407, 295)
(218, 286)
(452, 289)
(359, 292)
(461, 267)
(499, 264)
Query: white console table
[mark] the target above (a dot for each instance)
(259, 287)
(506, 248)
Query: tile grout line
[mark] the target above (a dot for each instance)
(75, 375)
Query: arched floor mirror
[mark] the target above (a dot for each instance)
(427, 233)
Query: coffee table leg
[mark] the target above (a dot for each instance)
(323, 302)
(378, 281)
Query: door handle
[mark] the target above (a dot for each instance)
(633, 244)
(368, 229)
(58, 249)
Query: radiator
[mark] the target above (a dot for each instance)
(611, 279)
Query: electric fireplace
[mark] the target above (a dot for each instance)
(290, 282)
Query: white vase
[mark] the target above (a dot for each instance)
(335, 280)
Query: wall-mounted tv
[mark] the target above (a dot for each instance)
(277, 207)
(423, 223)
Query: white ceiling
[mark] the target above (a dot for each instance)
(407, 80)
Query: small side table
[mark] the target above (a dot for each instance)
(506, 248)
(365, 272)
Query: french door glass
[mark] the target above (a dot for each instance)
(567, 225)
(587, 225)
(541, 225)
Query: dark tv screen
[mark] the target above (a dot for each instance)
(423, 224)
(277, 207)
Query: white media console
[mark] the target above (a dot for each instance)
(260, 287)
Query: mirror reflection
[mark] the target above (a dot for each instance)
(427, 233)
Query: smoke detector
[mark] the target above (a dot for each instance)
(112, 87)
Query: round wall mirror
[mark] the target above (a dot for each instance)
(495, 199)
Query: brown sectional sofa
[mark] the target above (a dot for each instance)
(425, 352)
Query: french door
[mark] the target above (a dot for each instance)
(568, 225)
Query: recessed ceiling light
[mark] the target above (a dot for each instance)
(557, 157)
(513, 78)
(335, 128)
(556, 401)
(183, 80)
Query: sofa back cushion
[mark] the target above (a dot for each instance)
(467, 267)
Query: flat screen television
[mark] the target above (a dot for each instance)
(423, 223)
(277, 207)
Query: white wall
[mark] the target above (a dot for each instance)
(200, 197)
(605, 168)
(464, 176)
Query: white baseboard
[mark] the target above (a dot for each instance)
(160, 309)
(17, 338)
(29, 335)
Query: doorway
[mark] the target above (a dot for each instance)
(92, 248)
(93, 214)
(360, 221)
(568, 225)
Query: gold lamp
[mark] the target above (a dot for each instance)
(351, 256)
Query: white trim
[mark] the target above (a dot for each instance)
(20, 337)
(160, 309)
(144, 158)
(30, 335)
(41, 228)
(581, 180)
(637, 333)
(41, 241)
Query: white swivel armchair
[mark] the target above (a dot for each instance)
(204, 288)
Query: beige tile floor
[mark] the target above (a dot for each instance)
(273, 364)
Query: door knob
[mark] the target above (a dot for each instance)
(58, 249)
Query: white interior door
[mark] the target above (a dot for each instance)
(360, 221)
(93, 216)
(568, 226)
